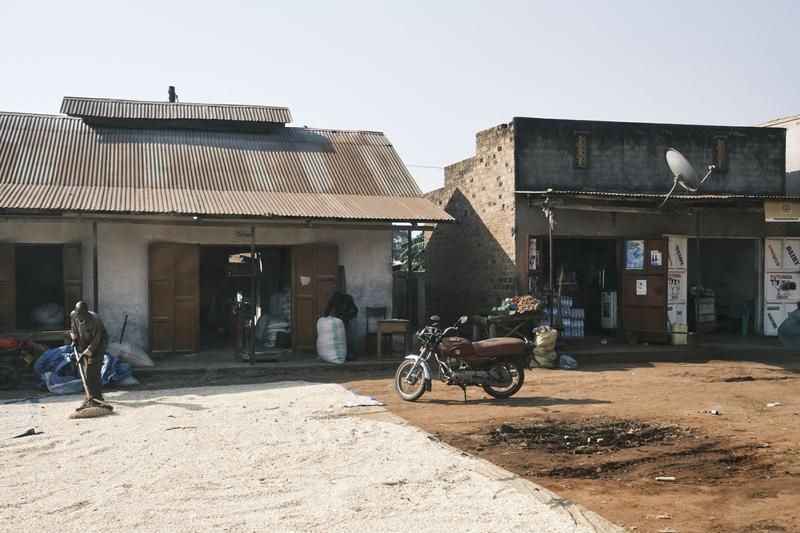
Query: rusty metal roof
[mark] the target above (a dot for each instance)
(134, 109)
(56, 163)
(656, 196)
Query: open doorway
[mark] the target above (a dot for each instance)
(591, 278)
(39, 286)
(727, 270)
(226, 303)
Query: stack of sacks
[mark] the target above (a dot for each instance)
(268, 327)
(280, 304)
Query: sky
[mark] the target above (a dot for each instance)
(430, 74)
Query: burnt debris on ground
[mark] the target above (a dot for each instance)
(585, 436)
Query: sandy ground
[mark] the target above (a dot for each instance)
(283, 456)
(738, 471)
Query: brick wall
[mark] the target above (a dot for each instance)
(470, 264)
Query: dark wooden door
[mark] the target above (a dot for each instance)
(72, 277)
(8, 287)
(174, 286)
(645, 292)
(314, 270)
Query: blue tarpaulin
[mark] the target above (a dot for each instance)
(55, 369)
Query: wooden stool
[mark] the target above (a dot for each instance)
(390, 327)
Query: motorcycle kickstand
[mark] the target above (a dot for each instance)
(464, 388)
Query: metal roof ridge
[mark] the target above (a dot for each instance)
(334, 130)
(39, 115)
(160, 102)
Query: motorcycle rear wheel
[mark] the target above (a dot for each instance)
(9, 378)
(410, 392)
(517, 371)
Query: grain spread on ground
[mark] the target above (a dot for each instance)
(282, 456)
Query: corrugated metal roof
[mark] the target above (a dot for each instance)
(657, 196)
(53, 163)
(134, 109)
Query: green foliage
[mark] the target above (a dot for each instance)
(400, 249)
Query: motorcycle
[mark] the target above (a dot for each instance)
(15, 360)
(497, 365)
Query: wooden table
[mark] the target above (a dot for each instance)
(390, 327)
(507, 325)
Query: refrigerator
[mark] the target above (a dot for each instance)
(608, 309)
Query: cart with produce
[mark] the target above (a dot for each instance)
(514, 317)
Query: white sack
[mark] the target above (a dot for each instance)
(331, 340)
(127, 353)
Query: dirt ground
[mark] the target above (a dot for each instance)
(601, 435)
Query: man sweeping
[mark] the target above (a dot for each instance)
(89, 335)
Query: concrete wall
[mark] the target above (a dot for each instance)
(470, 264)
(45, 232)
(630, 156)
(123, 260)
(792, 126)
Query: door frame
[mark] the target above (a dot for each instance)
(648, 270)
(245, 249)
(542, 281)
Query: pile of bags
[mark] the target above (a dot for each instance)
(60, 375)
(280, 304)
(48, 316)
(268, 327)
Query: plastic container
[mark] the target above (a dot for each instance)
(677, 337)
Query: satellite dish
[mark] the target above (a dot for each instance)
(683, 173)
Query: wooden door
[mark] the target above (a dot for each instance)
(72, 277)
(8, 288)
(314, 270)
(174, 302)
(645, 290)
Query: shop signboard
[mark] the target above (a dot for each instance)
(781, 211)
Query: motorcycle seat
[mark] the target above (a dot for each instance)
(499, 346)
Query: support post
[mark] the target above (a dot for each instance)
(95, 285)
(548, 213)
(409, 267)
(253, 295)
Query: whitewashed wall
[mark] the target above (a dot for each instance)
(123, 260)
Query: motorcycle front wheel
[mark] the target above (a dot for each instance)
(409, 382)
(517, 372)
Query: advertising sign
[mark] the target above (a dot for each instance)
(781, 287)
(676, 313)
(676, 256)
(634, 255)
(676, 287)
(791, 254)
(774, 315)
(773, 252)
(777, 211)
(641, 287)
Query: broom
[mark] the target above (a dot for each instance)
(92, 411)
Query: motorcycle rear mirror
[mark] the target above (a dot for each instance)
(463, 319)
(435, 319)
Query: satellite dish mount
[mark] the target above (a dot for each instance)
(683, 173)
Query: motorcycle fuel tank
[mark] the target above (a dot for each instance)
(456, 347)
